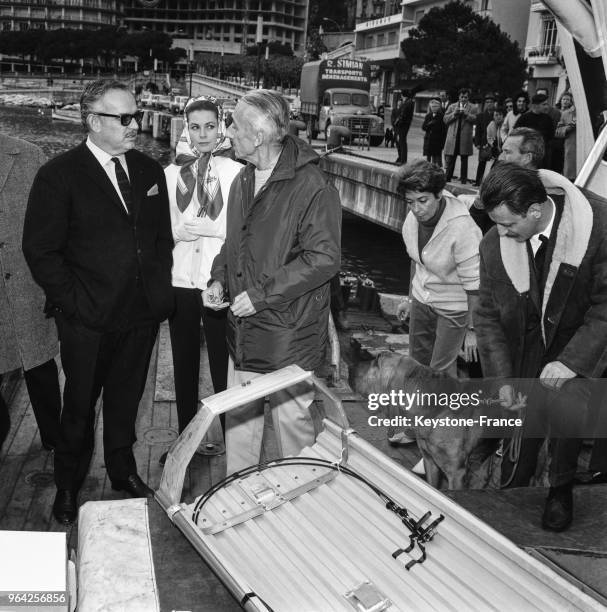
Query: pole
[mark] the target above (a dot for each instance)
(258, 58)
(191, 73)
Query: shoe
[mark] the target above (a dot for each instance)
(558, 512)
(476, 184)
(463, 181)
(65, 507)
(400, 439)
(419, 468)
(163, 458)
(588, 478)
(341, 321)
(133, 485)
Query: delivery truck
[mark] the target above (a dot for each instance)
(336, 92)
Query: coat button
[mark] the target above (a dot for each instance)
(7, 275)
(1, 245)
(238, 274)
(550, 320)
(244, 228)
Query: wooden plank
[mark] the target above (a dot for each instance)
(40, 515)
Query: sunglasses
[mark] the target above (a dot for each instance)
(125, 118)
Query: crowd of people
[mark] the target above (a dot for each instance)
(531, 302)
(242, 233)
(453, 130)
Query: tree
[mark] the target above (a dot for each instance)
(458, 48)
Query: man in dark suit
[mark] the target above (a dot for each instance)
(403, 123)
(541, 314)
(97, 238)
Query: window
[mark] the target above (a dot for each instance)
(418, 15)
(549, 33)
(391, 38)
(381, 40)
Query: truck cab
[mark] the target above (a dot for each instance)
(350, 108)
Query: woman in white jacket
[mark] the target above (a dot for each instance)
(199, 184)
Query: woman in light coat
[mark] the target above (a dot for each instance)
(198, 184)
(565, 129)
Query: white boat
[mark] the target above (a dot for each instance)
(70, 113)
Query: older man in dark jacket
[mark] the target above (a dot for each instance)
(282, 248)
(542, 309)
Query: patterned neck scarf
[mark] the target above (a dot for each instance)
(198, 173)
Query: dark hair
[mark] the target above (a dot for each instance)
(499, 109)
(463, 90)
(531, 142)
(539, 98)
(199, 105)
(512, 185)
(420, 175)
(93, 92)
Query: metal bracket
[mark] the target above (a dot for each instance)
(263, 496)
(366, 597)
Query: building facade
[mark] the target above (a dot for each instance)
(228, 26)
(543, 53)
(22, 15)
(383, 24)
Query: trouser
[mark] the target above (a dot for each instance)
(435, 159)
(291, 417)
(184, 326)
(450, 162)
(42, 384)
(116, 362)
(435, 336)
(564, 416)
(5, 420)
(401, 145)
(480, 171)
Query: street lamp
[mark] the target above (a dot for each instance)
(332, 21)
(258, 40)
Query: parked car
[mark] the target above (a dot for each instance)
(163, 102)
(178, 104)
(146, 98)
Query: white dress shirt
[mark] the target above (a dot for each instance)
(535, 241)
(105, 159)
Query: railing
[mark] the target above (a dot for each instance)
(543, 54)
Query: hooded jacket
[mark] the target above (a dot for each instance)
(282, 247)
(571, 312)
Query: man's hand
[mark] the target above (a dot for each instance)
(242, 306)
(555, 374)
(403, 310)
(212, 297)
(511, 401)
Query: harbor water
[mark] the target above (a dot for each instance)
(367, 249)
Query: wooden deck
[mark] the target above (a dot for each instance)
(27, 489)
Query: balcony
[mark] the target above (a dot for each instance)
(543, 55)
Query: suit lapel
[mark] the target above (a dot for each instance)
(98, 175)
(136, 177)
(7, 159)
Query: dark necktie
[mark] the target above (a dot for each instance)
(540, 254)
(123, 184)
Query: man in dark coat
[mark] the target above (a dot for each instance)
(28, 339)
(282, 248)
(543, 307)
(98, 240)
(480, 135)
(537, 118)
(403, 123)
